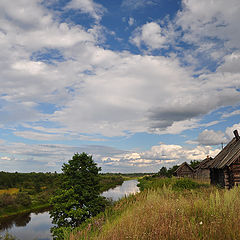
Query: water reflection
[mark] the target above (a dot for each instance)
(28, 226)
(37, 225)
(19, 221)
(128, 187)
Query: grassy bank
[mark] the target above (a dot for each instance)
(22, 202)
(22, 210)
(13, 202)
(171, 209)
(110, 181)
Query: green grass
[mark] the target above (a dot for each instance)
(12, 211)
(180, 210)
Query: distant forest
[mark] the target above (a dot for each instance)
(27, 180)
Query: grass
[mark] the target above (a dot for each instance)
(9, 191)
(166, 212)
(22, 210)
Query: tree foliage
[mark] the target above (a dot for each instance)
(194, 164)
(163, 172)
(78, 197)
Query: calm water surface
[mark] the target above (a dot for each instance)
(128, 187)
(37, 225)
(28, 226)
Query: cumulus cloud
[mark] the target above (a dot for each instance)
(158, 156)
(131, 21)
(48, 157)
(229, 130)
(95, 10)
(151, 35)
(214, 22)
(210, 137)
(99, 91)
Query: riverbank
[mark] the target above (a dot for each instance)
(40, 200)
(168, 209)
(25, 210)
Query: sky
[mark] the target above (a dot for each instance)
(137, 84)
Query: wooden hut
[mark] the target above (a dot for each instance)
(184, 170)
(203, 169)
(225, 168)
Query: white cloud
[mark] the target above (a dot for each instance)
(99, 91)
(226, 115)
(135, 4)
(87, 6)
(38, 135)
(131, 21)
(213, 19)
(5, 158)
(160, 155)
(43, 157)
(151, 35)
(229, 130)
(210, 137)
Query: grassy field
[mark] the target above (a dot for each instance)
(9, 191)
(181, 210)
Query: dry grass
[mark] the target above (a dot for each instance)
(206, 213)
(9, 191)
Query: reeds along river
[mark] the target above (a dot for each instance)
(36, 225)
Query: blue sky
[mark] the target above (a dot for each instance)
(138, 84)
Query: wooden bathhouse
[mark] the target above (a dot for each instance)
(184, 170)
(203, 169)
(225, 168)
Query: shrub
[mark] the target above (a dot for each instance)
(185, 183)
(23, 199)
(6, 199)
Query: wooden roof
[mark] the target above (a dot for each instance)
(182, 165)
(205, 164)
(228, 155)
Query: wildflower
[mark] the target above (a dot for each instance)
(201, 223)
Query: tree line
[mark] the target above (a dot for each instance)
(27, 180)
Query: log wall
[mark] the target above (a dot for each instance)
(234, 170)
(185, 171)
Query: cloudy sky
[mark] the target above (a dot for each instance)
(138, 84)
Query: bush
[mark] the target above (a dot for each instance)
(177, 184)
(6, 200)
(23, 199)
(185, 183)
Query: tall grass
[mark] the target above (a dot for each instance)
(9, 191)
(164, 213)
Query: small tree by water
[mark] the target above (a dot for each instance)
(78, 197)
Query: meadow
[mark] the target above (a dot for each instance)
(168, 209)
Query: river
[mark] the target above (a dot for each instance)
(36, 225)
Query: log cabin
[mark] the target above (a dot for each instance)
(202, 171)
(225, 167)
(184, 170)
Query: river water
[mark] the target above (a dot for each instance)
(36, 225)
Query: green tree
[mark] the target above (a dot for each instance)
(78, 197)
(194, 164)
(171, 170)
(163, 172)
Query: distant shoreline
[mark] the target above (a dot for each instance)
(26, 210)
